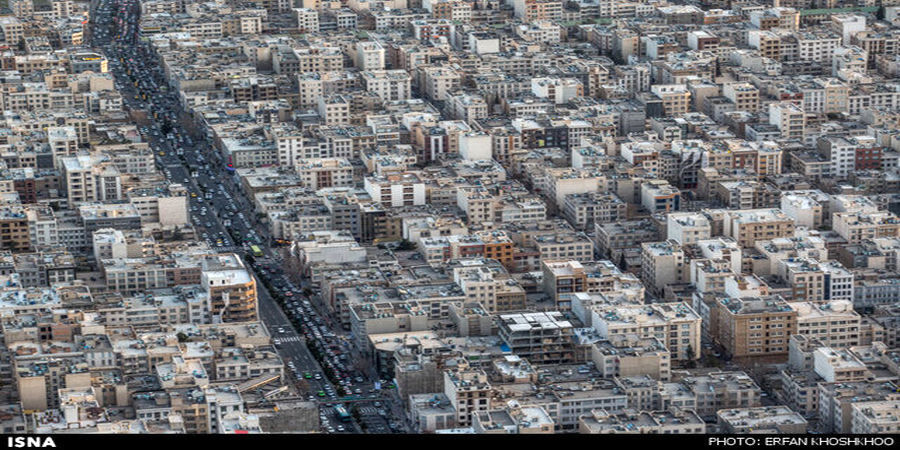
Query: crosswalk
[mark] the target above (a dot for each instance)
(368, 410)
(229, 249)
(291, 339)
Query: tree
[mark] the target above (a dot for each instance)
(405, 245)
(182, 337)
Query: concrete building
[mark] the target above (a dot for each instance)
(676, 324)
(755, 327)
(541, 338)
(768, 419)
(662, 264)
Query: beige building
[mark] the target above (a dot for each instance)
(39, 380)
(719, 390)
(469, 393)
(789, 118)
(334, 109)
(836, 400)
(531, 11)
(754, 326)
(662, 264)
(439, 82)
(88, 179)
(762, 420)
(750, 225)
(879, 417)
(745, 96)
(389, 85)
(589, 208)
(13, 30)
(646, 422)
(626, 356)
(676, 98)
(309, 89)
(232, 295)
(857, 227)
(513, 419)
(687, 227)
(318, 173)
(834, 323)
(490, 286)
(369, 55)
(380, 318)
(839, 366)
(675, 324)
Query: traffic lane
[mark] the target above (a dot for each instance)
(277, 318)
(296, 349)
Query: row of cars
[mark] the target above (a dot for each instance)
(295, 305)
(208, 197)
(325, 422)
(145, 80)
(331, 350)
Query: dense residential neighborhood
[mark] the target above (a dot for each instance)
(450, 217)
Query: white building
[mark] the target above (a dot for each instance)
(475, 146)
(834, 323)
(396, 190)
(369, 55)
(687, 227)
(390, 85)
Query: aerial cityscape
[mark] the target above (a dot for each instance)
(455, 217)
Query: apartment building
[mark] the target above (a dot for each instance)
(875, 417)
(755, 327)
(748, 226)
(531, 11)
(675, 324)
(662, 264)
(745, 96)
(318, 173)
(232, 295)
(687, 228)
(541, 338)
(722, 390)
(405, 189)
(389, 85)
(487, 283)
(857, 227)
(584, 210)
(660, 196)
(789, 118)
(839, 365)
(629, 356)
(469, 393)
(772, 419)
(439, 82)
(836, 401)
(833, 323)
(676, 98)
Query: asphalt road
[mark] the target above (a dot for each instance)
(186, 158)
